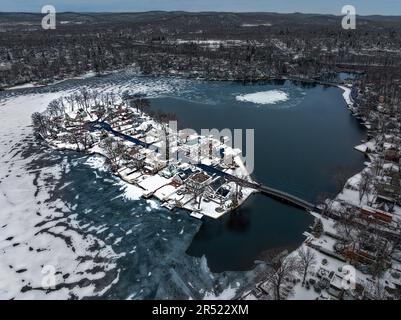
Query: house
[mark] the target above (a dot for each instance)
(336, 288)
(360, 256)
(169, 172)
(216, 188)
(198, 181)
(392, 156)
(138, 156)
(152, 166)
(379, 215)
(183, 175)
(385, 203)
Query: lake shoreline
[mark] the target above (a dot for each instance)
(136, 73)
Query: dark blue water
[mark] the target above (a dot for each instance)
(299, 143)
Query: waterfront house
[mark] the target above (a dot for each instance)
(392, 155)
(198, 180)
(376, 214)
(183, 175)
(385, 203)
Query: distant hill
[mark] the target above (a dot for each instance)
(194, 19)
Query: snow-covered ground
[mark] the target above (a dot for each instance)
(24, 86)
(347, 96)
(367, 146)
(39, 241)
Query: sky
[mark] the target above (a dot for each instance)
(363, 7)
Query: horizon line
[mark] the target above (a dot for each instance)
(194, 12)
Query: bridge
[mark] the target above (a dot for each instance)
(275, 194)
(288, 198)
(265, 190)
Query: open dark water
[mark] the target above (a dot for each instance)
(299, 143)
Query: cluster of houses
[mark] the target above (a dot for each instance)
(362, 226)
(193, 173)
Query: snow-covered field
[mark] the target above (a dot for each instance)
(264, 97)
(39, 241)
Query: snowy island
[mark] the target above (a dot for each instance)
(182, 169)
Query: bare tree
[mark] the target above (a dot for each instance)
(95, 97)
(325, 199)
(100, 111)
(86, 140)
(306, 260)
(55, 108)
(341, 175)
(85, 99)
(74, 136)
(346, 224)
(71, 102)
(140, 103)
(40, 124)
(377, 290)
(384, 250)
(377, 166)
(105, 100)
(79, 100)
(114, 150)
(318, 228)
(282, 268)
(365, 184)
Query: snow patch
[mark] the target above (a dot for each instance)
(264, 97)
(227, 294)
(131, 192)
(97, 162)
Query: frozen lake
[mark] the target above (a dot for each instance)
(302, 133)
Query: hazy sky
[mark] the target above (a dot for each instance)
(364, 7)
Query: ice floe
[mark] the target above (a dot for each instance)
(264, 97)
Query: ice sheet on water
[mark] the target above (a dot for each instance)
(96, 162)
(37, 230)
(264, 97)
